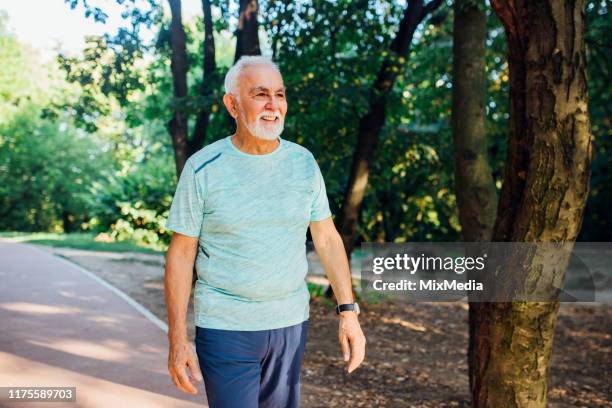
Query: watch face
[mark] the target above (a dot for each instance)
(357, 308)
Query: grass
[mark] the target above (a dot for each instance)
(84, 241)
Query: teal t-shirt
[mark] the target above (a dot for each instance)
(250, 213)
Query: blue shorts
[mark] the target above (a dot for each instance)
(252, 369)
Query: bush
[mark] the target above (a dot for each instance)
(133, 205)
(46, 170)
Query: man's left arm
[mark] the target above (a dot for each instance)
(329, 247)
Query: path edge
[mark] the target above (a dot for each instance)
(131, 301)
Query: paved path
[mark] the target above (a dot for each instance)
(60, 326)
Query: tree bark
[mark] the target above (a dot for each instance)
(247, 35)
(371, 123)
(474, 184)
(544, 192)
(210, 66)
(177, 126)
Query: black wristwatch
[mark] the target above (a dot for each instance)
(346, 307)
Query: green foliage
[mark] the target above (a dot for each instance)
(46, 170)
(109, 72)
(106, 75)
(316, 290)
(330, 55)
(133, 204)
(598, 217)
(23, 80)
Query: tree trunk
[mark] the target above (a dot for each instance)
(247, 37)
(199, 133)
(177, 126)
(371, 123)
(68, 223)
(544, 192)
(474, 185)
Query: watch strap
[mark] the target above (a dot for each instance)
(345, 307)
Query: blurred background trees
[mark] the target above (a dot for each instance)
(86, 142)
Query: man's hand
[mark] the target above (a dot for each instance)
(180, 258)
(181, 357)
(352, 340)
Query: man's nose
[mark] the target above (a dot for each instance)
(273, 103)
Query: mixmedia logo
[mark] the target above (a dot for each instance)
(412, 265)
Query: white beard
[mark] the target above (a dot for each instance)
(261, 130)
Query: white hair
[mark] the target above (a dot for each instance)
(232, 76)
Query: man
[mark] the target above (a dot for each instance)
(241, 211)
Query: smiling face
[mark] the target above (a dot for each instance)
(261, 104)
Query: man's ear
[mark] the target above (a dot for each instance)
(230, 104)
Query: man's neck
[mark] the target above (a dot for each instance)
(248, 143)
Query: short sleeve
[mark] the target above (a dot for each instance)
(319, 209)
(187, 209)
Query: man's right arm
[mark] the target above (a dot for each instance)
(180, 259)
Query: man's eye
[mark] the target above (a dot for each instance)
(262, 94)
(280, 95)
